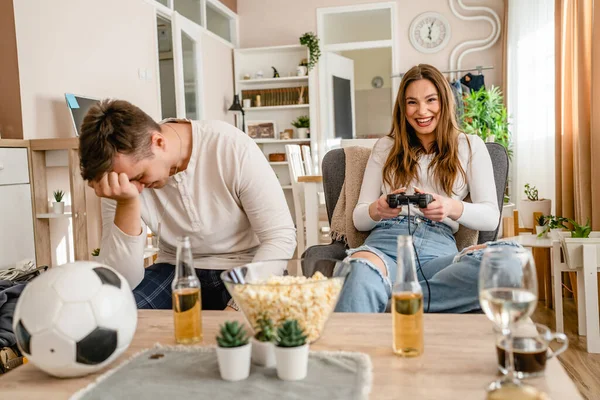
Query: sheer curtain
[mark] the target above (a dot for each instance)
(530, 96)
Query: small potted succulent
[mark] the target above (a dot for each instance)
(553, 225)
(58, 207)
(95, 254)
(531, 205)
(233, 352)
(302, 124)
(540, 227)
(263, 349)
(291, 352)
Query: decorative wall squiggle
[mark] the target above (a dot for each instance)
(485, 43)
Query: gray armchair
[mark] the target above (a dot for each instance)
(334, 168)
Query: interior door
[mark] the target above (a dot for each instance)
(187, 53)
(337, 99)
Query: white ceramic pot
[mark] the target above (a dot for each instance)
(302, 133)
(263, 353)
(539, 230)
(555, 233)
(234, 362)
(573, 249)
(527, 208)
(58, 208)
(292, 362)
(301, 70)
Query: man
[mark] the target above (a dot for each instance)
(202, 179)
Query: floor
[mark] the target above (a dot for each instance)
(582, 367)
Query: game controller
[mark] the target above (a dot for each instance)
(421, 200)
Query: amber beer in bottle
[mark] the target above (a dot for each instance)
(407, 303)
(187, 301)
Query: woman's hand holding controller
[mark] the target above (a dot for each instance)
(441, 207)
(380, 208)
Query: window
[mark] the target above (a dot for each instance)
(191, 9)
(166, 68)
(217, 22)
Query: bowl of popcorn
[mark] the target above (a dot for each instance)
(288, 289)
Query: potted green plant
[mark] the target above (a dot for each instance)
(302, 124)
(291, 352)
(263, 348)
(95, 254)
(302, 68)
(532, 204)
(573, 246)
(486, 116)
(553, 225)
(58, 206)
(540, 226)
(233, 352)
(311, 41)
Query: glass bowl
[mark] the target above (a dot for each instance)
(274, 289)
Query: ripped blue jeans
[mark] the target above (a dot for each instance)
(453, 278)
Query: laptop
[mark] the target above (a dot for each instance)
(78, 107)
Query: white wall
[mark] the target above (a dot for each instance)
(368, 64)
(373, 106)
(96, 48)
(373, 112)
(277, 22)
(217, 64)
(88, 47)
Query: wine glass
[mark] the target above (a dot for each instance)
(508, 294)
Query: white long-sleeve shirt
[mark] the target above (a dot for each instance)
(482, 214)
(228, 201)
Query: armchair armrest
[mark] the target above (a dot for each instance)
(336, 251)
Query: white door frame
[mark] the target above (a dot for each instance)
(328, 106)
(322, 67)
(196, 32)
(180, 24)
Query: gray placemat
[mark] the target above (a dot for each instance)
(193, 373)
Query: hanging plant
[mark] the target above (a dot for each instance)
(311, 41)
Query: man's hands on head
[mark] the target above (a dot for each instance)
(126, 193)
(117, 187)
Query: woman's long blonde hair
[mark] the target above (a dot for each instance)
(402, 164)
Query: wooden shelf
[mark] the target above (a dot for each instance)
(281, 141)
(285, 79)
(54, 144)
(278, 162)
(272, 49)
(14, 143)
(53, 215)
(310, 178)
(275, 108)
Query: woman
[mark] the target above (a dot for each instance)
(424, 153)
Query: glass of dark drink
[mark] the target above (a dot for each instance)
(531, 347)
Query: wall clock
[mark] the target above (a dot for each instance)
(377, 82)
(429, 32)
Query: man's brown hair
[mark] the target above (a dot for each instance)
(111, 127)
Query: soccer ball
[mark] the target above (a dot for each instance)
(75, 319)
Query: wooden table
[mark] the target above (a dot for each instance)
(458, 363)
(541, 250)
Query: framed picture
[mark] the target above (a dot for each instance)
(262, 129)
